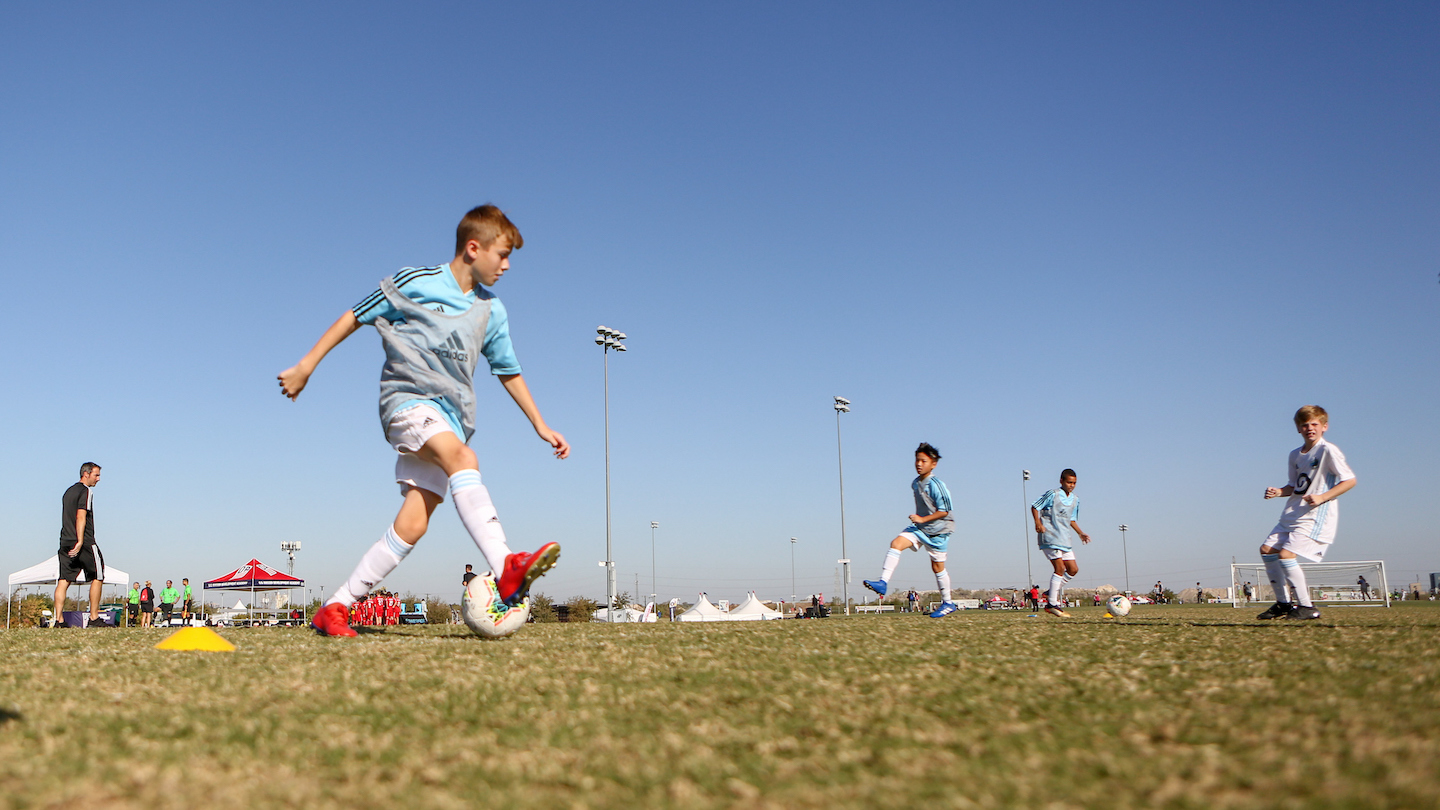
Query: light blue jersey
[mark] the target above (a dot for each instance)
(435, 289)
(931, 496)
(1056, 512)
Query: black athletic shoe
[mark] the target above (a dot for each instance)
(1276, 611)
(1303, 612)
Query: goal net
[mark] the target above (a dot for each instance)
(1333, 583)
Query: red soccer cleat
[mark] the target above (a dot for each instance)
(332, 620)
(522, 569)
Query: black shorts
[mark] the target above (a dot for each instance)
(133, 608)
(167, 608)
(189, 603)
(89, 562)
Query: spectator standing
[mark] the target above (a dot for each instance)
(78, 553)
(1364, 588)
(1034, 597)
(147, 605)
(469, 575)
(186, 601)
(132, 604)
(168, 597)
(914, 599)
(1249, 593)
(1199, 594)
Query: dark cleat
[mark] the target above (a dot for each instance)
(1279, 610)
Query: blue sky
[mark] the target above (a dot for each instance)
(1122, 238)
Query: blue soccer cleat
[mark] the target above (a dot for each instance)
(877, 585)
(945, 609)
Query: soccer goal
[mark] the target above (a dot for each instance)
(1333, 583)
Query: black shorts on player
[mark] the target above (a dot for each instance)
(89, 561)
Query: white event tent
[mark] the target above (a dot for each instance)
(753, 610)
(704, 611)
(47, 572)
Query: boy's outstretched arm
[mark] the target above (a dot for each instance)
(1331, 493)
(1084, 538)
(293, 379)
(520, 392)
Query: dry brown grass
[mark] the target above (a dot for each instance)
(1195, 707)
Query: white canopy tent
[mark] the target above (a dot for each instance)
(704, 611)
(47, 572)
(753, 610)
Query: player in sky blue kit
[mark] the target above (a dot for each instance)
(1318, 474)
(1056, 513)
(929, 528)
(436, 323)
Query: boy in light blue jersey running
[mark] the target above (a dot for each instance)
(435, 324)
(929, 528)
(1056, 528)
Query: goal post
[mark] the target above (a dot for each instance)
(1331, 583)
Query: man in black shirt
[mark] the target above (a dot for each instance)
(469, 575)
(78, 552)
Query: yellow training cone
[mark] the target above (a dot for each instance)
(196, 638)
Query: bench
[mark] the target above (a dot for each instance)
(873, 608)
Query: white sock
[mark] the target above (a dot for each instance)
(942, 579)
(1276, 572)
(892, 559)
(472, 501)
(377, 564)
(1296, 577)
(1057, 582)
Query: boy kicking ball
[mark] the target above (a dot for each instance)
(929, 529)
(1056, 528)
(435, 323)
(1318, 475)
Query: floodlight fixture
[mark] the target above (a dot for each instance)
(1026, 473)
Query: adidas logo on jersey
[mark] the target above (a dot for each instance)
(453, 349)
(429, 420)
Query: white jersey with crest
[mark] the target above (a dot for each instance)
(1311, 474)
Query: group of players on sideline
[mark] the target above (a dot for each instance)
(381, 608)
(436, 322)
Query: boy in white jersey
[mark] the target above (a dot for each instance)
(1318, 475)
(929, 528)
(434, 323)
(1056, 528)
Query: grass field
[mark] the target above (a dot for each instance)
(1185, 707)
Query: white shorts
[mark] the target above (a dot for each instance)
(409, 430)
(1302, 546)
(1058, 553)
(916, 545)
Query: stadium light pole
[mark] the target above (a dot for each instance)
(290, 547)
(1124, 549)
(653, 527)
(608, 339)
(1025, 533)
(793, 541)
(842, 405)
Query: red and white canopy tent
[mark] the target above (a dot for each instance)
(255, 577)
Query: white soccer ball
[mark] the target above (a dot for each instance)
(486, 615)
(1118, 605)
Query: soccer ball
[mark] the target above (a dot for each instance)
(486, 615)
(1119, 606)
